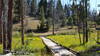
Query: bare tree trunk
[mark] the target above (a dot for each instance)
(1, 3)
(86, 31)
(5, 17)
(53, 28)
(83, 32)
(79, 34)
(4, 39)
(22, 20)
(22, 30)
(9, 24)
(86, 23)
(79, 26)
(53, 18)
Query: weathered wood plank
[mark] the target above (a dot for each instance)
(56, 49)
(9, 54)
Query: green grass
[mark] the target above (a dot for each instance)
(37, 48)
(1, 49)
(91, 48)
(33, 45)
(73, 41)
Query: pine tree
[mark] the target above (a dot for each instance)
(16, 11)
(60, 12)
(43, 15)
(42, 19)
(83, 18)
(49, 7)
(49, 13)
(33, 7)
(66, 10)
(79, 12)
(43, 3)
(85, 30)
(42, 25)
(74, 13)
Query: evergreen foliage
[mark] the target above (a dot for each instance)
(43, 27)
(33, 7)
(16, 11)
(60, 13)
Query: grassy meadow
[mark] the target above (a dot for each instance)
(33, 45)
(73, 42)
(64, 36)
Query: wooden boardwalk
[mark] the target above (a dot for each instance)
(9, 54)
(56, 49)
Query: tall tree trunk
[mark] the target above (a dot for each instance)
(9, 25)
(53, 18)
(79, 26)
(1, 3)
(5, 17)
(22, 30)
(84, 38)
(22, 20)
(4, 38)
(87, 33)
(53, 28)
(86, 21)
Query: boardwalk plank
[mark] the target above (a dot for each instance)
(56, 49)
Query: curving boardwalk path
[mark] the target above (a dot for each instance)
(56, 49)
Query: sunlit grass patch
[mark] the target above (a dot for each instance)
(32, 44)
(73, 41)
(1, 48)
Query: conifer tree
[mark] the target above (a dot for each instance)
(60, 12)
(83, 15)
(33, 7)
(50, 5)
(16, 11)
(43, 3)
(66, 10)
(42, 19)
